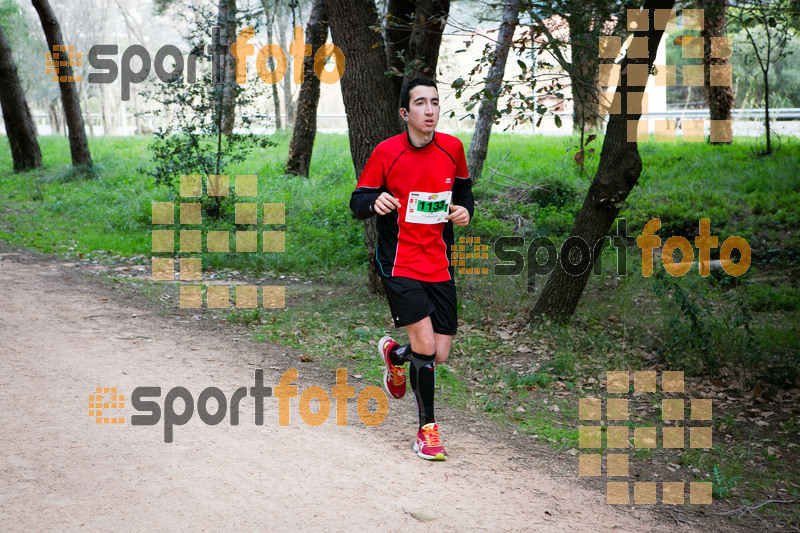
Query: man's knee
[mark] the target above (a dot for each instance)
(424, 346)
(443, 345)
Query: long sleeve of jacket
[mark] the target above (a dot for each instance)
(462, 195)
(362, 200)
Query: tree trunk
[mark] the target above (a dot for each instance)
(618, 172)
(422, 56)
(105, 114)
(476, 156)
(52, 112)
(305, 128)
(400, 16)
(20, 129)
(79, 147)
(719, 98)
(285, 41)
(226, 15)
(137, 116)
(585, 65)
(766, 111)
(366, 91)
(85, 97)
(276, 99)
(123, 118)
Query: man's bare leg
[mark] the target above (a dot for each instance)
(422, 337)
(443, 344)
(423, 340)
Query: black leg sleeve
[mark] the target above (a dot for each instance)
(423, 383)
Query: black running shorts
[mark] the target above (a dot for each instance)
(412, 300)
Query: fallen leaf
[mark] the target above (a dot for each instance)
(422, 517)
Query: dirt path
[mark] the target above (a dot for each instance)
(62, 335)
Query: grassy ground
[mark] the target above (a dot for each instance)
(736, 338)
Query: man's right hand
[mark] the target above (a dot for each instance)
(385, 204)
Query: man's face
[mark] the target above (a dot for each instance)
(423, 109)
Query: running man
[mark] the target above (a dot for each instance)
(418, 186)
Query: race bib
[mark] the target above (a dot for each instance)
(428, 207)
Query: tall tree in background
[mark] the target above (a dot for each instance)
(618, 172)
(135, 34)
(19, 124)
(397, 34)
(79, 147)
(768, 24)
(554, 29)
(367, 93)
(286, 38)
(26, 41)
(226, 16)
(422, 55)
(270, 10)
(476, 156)
(719, 97)
(413, 35)
(365, 88)
(586, 23)
(305, 126)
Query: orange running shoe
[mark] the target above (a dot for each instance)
(429, 444)
(394, 377)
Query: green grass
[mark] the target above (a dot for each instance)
(528, 375)
(107, 213)
(680, 183)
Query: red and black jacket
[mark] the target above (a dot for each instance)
(417, 251)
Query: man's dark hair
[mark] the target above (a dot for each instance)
(405, 92)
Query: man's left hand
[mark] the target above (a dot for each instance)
(458, 215)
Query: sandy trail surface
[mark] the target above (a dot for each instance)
(62, 334)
